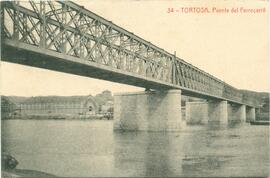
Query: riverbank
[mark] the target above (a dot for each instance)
(8, 168)
(24, 173)
(58, 117)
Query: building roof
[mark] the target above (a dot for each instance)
(6, 101)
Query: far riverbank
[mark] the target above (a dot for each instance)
(59, 117)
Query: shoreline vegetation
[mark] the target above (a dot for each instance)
(263, 116)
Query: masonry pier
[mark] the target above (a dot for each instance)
(250, 114)
(214, 111)
(203, 112)
(218, 111)
(197, 112)
(236, 112)
(148, 111)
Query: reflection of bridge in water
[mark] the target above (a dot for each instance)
(66, 37)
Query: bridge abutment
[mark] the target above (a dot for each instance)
(148, 111)
(250, 114)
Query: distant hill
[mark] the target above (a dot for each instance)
(258, 94)
(263, 98)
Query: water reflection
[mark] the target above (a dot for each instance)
(147, 153)
(158, 161)
(203, 164)
(234, 124)
(92, 148)
(214, 125)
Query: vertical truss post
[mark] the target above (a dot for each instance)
(42, 42)
(16, 24)
(81, 37)
(1, 20)
(173, 68)
(110, 54)
(122, 56)
(2, 23)
(63, 46)
(25, 34)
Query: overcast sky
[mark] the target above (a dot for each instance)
(232, 47)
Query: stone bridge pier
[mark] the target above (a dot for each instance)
(148, 111)
(250, 114)
(203, 112)
(218, 111)
(196, 112)
(236, 112)
(161, 111)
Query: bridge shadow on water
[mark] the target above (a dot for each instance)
(146, 153)
(167, 154)
(92, 148)
(208, 150)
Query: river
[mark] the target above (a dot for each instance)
(72, 148)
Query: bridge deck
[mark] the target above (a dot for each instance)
(65, 37)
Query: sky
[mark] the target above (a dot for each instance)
(231, 46)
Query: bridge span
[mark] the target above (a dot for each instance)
(64, 36)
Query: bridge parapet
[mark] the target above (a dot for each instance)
(232, 93)
(251, 99)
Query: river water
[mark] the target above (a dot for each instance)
(91, 148)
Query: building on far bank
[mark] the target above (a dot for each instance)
(8, 108)
(59, 105)
(107, 107)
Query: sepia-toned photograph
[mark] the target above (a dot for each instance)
(135, 88)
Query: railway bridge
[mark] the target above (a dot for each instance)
(66, 37)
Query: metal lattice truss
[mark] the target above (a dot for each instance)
(68, 28)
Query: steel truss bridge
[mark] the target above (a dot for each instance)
(66, 37)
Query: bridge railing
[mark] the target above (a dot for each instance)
(70, 29)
